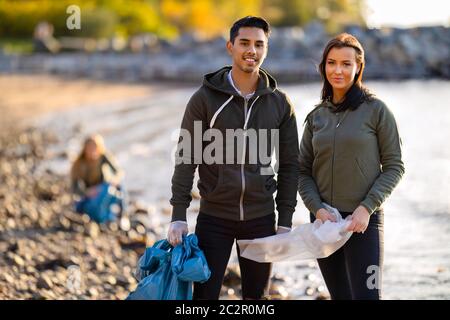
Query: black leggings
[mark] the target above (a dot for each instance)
(355, 270)
(216, 237)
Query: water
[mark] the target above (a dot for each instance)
(142, 135)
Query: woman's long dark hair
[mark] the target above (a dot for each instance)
(357, 93)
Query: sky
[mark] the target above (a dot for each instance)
(408, 13)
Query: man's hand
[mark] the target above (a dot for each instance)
(360, 220)
(177, 230)
(323, 215)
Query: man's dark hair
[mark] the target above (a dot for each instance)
(249, 21)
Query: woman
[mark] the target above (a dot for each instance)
(96, 182)
(350, 158)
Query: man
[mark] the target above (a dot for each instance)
(239, 102)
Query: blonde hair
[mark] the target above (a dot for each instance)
(81, 158)
(97, 140)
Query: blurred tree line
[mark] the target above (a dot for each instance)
(169, 18)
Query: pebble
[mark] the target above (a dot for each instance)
(111, 280)
(125, 223)
(8, 278)
(278, 292)
(93, 230)
(44, 282)
(93, 292)
(323, 296)
(122, 281)
(309, 291)
(19, 261)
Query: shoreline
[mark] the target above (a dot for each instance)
(295, 52)
(28, 96)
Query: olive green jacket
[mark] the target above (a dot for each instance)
(350, 158)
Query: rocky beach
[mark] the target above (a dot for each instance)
(43, 243)
(50, 252)
(47, 250)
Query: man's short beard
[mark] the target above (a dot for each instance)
(248, 69)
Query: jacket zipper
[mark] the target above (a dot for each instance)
(241, 200)
(334, 152)
(246, 118)
(332, 163)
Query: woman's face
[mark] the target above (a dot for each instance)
(91, 151)
(341, 68)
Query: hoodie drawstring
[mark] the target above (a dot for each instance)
(248, 113)
(213, 120)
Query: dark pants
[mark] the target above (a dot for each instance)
(216, 238)
(355, 270)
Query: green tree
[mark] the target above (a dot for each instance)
(168, 18)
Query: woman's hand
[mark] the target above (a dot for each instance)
(360, 220)
(323, 215)
(92, 192)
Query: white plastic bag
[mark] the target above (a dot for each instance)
(306, 241)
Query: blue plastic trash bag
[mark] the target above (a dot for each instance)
(99, 208)
(189, 262)
(167, 273)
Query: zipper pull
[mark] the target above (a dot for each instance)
(342, 119)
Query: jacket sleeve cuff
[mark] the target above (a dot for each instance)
(369, 205)
(315, 206)
(178, 213)
(285, 219)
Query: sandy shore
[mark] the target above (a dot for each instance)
(26, 96)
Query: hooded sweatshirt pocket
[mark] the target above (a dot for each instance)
(350, 183)
(212, 177)
(259, 184)
(224, 188)
(360, 179)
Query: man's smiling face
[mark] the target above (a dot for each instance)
(249, 49)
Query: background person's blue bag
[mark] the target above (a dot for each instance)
(167, 273)
(99, 207)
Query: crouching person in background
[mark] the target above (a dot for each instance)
(95, 180)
